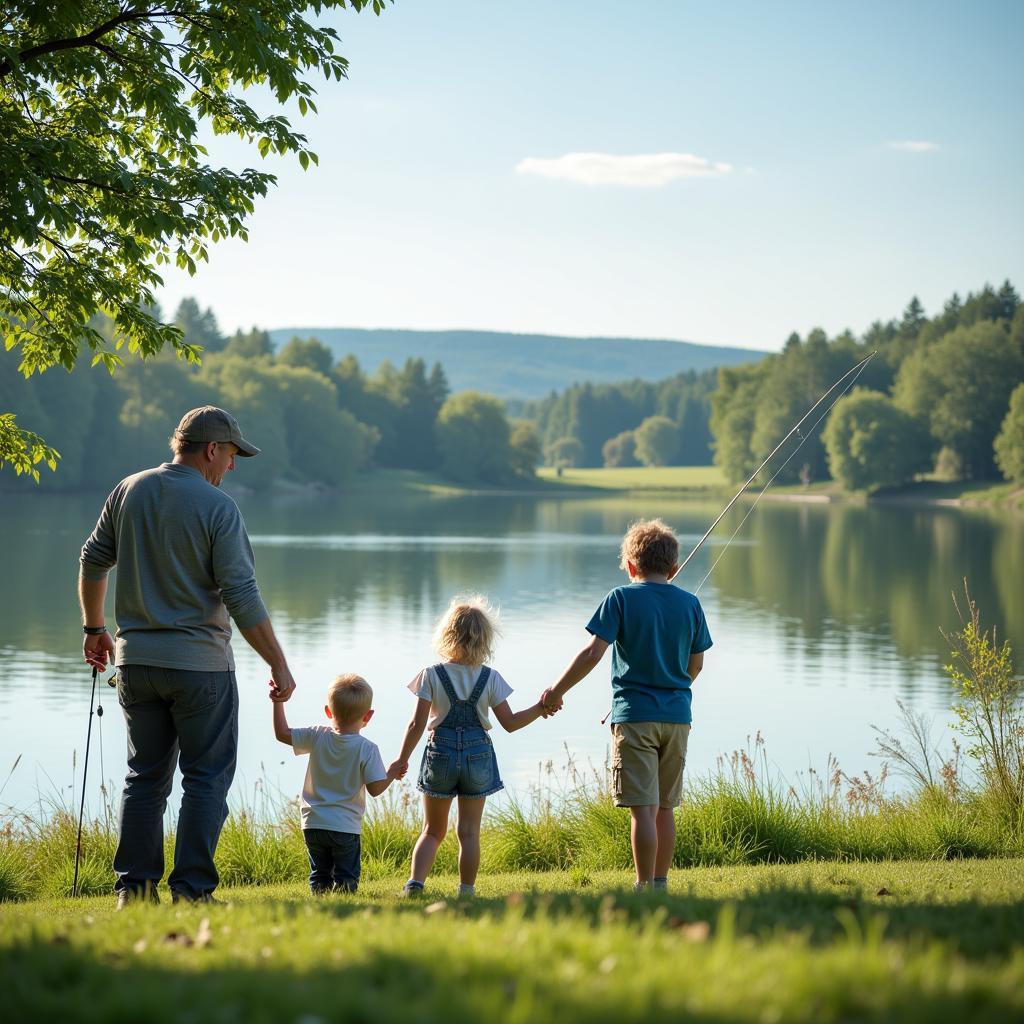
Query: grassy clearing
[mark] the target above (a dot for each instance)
(700, 479)
(815, 942)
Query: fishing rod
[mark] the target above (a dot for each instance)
(85, 769)
(795, 429)
(854, 372)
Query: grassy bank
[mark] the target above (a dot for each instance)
(734, 818)
(696, 482)
(818, 942)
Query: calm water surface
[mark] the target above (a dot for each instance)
(822, 618)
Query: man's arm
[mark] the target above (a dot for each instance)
(91, 596)
(262, 640)
(579, 668)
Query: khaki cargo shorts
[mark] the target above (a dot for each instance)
(647, 763)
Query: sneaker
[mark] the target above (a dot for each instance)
(641, 886)
(660, 884)
(142, 894)
(466, 892)
(411, 888)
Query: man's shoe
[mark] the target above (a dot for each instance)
(412, 889)
(142, 894)
(178, 896)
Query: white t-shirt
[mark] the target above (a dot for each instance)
(428, 686)
(340, 765)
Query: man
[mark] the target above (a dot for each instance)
(184, 566)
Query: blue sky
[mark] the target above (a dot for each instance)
(769, 184)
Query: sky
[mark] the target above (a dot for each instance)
(723, 173)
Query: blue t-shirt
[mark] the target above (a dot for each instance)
(654, 628)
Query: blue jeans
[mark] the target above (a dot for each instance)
(333, 859)
(175, 716)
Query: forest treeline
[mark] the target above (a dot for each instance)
(943, 394)
(315, 419)
(629, 424)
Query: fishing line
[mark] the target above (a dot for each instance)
(803, 438)
(855, 371)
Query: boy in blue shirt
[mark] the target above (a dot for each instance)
(658, 636)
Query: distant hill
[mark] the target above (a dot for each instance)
(522, 365)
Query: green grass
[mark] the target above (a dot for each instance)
(702, 479)
(816, 942)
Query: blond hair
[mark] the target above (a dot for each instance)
(651, 546)
(466, 631)
(349, 698)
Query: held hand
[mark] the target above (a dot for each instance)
(282, 685)
(397, 769)
(550, 701)
(98, 649)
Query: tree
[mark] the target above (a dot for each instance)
(473, 438)
(1009, 445)
(198, 328)
(102, 179)
(254, 344)
(524, 442)
(657, 441)
(310, 353)
(961, 385)
(871, 443)
(620, 450)
(565, 451)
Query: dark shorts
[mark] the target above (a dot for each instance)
(459, 762)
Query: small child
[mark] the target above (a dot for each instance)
(660, 636)
(452, 702)
(342, 766)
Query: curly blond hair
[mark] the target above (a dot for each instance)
(467, 631)
(651, 546)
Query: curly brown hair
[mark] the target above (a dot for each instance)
(651, 546)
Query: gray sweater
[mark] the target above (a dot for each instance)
(184, 565)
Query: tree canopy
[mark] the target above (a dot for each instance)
(103, 179)
(871, 443)
(951, 374)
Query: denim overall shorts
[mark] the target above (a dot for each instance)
(459, 758)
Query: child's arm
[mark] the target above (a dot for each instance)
(413, 734)
(281, 728)
(581, 666)
(511, 720)
(696, 665)
(378, 787)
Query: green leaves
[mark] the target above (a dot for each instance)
(102, 180)
(23, 450)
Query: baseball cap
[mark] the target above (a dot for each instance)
(208, 423)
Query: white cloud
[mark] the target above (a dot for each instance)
(910, 146)
(642, 170)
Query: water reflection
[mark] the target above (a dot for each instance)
(821, 615)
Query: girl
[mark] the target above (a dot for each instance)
(452, 702)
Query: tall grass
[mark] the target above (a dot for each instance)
(737, 815)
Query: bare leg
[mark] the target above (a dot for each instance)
(435, 826)
(471, 811)
(666, 826)
(644, 834)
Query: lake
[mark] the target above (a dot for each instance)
(822, 617)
